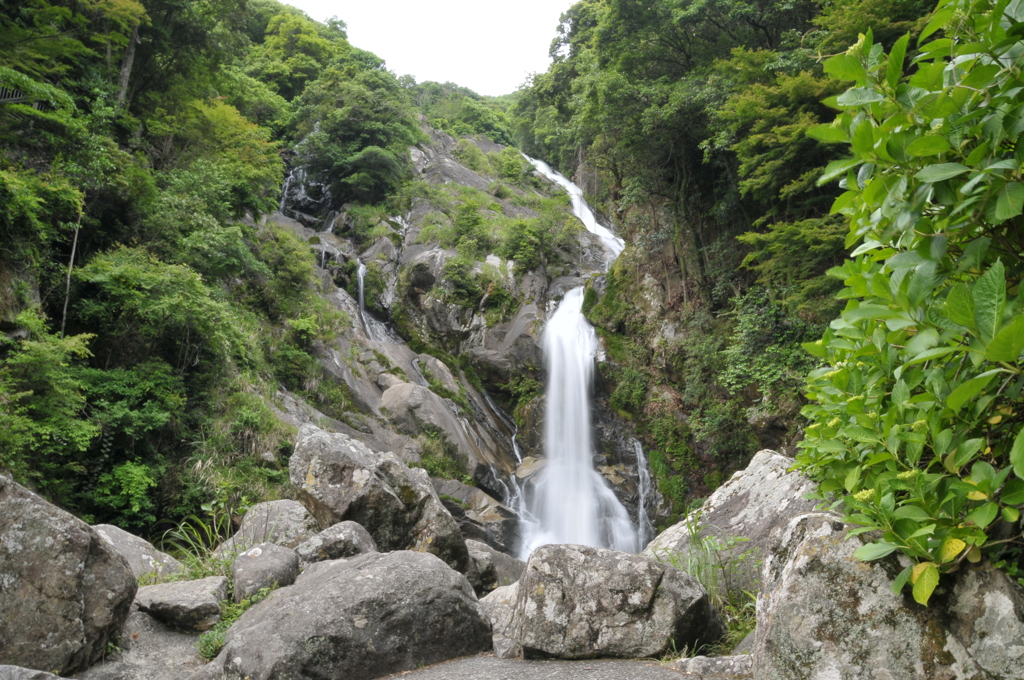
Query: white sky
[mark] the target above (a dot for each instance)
(485, 45)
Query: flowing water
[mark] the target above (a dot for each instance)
(572, 503)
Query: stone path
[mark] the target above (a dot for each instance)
(489, 667)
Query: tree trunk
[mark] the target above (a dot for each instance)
(126, 65)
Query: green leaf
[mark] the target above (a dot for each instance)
(1013, 492)
(1008, 343)
(1010, 201)
(874, 551)
(845, 67)
(960, 305)
(894, 69)
(940, 171)
(1017, 455)
(925, 584)
(938, 20)
(837, 169)
(967, 391)
(989, 300)
(901, 580)
(815, 348)
(859, 96)
(983, 515)
(911, 512)
(829, 134)
(929, 145)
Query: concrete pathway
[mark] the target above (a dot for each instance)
(489, 667)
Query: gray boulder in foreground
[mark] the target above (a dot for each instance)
(577, 602)
(64, 591)
(822, 613)
(142, 556)
(344, 539)
(191, 605)
(338, 478)
(284, 522)
(263, 566)
(359, 618)
(750, 505)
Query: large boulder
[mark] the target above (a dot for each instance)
(338, 478)
(186, 605)
(358, 618)
(149, 650)
(142, 556)
(285, 522)
(263, 566)
(578, 602)
(749, 506)
(64, 591)
(344, 539)
(822, 613)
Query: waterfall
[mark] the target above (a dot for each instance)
(572, 503)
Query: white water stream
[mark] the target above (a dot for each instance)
(572, 503)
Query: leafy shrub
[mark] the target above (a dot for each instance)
(441, 458)
(915, 421)
(630, 390)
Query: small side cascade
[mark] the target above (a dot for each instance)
(645, 529)
(361, 274)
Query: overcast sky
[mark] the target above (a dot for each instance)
(485, 45)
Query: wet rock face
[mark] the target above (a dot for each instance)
(64, 591)
(750, 505)
(577, 602)
(338, 478)
(822, 613)
(359, 618)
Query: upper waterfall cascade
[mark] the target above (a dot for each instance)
(573, 503)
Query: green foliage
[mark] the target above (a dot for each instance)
(358, 128)
(212, 641)
(441, 458)
(44, 425)
(915, 417)
(630, 391)
(524, 389)
(126, 491)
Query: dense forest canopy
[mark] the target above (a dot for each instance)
(147, 318)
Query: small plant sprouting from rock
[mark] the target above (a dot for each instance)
(212, 641)
(714, 561)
